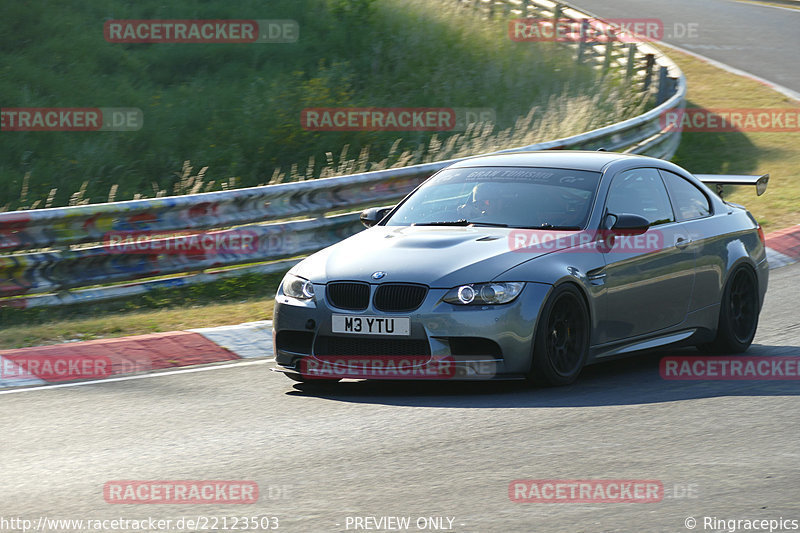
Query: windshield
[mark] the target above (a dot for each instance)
(520, 197)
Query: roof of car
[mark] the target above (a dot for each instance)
(572, 159)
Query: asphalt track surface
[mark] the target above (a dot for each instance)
(725, 449)
(758, 39)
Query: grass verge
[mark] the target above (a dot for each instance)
(743, 152)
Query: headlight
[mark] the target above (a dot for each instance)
(296, 287)
(484, 293)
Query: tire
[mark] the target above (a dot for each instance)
(738, 314)
(561, 346)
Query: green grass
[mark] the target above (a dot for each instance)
(235, 108)
(777, 154)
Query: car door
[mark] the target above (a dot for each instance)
(649, 277)
(693, 211)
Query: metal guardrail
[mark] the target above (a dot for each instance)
(59, 250)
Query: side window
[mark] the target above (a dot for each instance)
(689, 201)
(640, 192)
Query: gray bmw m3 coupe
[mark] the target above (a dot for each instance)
(528, 266)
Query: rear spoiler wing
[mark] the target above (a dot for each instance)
(735, 179)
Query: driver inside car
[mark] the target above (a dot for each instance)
(482, 203)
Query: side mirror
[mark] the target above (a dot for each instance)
(373, 215)
(628, 224)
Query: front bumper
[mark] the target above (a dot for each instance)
(481, 342)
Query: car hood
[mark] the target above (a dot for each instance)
(440, 257)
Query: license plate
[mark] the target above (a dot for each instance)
(372, 325)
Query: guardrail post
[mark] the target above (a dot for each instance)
(631, 66)
(648, 71)
(612, 37)
(582, 42)
(557, 15)
(663, 86)
(525, 5)
(670, 86)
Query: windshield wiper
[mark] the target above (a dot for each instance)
(547, 225)
(492, 224)
(459, 222)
